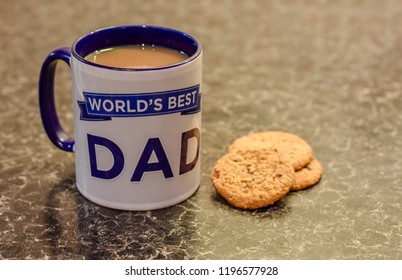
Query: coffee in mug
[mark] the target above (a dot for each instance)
(137, 130)
(136, 56)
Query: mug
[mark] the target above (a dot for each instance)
(137, 130)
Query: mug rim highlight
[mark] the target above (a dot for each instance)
(145, 34)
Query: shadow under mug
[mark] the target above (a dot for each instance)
(137, 130)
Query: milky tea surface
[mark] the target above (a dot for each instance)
(136, 56)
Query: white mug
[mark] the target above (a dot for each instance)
(136, 131)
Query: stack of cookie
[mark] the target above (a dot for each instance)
(261, 168)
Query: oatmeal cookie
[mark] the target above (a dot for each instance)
(307, 176)
(251, 179)
(290, 147)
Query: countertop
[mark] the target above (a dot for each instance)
(329, 71)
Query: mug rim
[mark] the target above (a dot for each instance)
(80, 43)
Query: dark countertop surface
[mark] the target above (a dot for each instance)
(329, 71)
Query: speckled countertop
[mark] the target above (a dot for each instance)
(330, 71)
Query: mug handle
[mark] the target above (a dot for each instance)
(50, 120)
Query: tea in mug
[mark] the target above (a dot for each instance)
(136, 56)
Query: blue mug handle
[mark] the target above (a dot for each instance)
(50, 120)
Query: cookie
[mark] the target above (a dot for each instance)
(307, 176)
(251, 179)
(291, 147)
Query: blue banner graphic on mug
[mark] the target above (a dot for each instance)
(103, 106)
